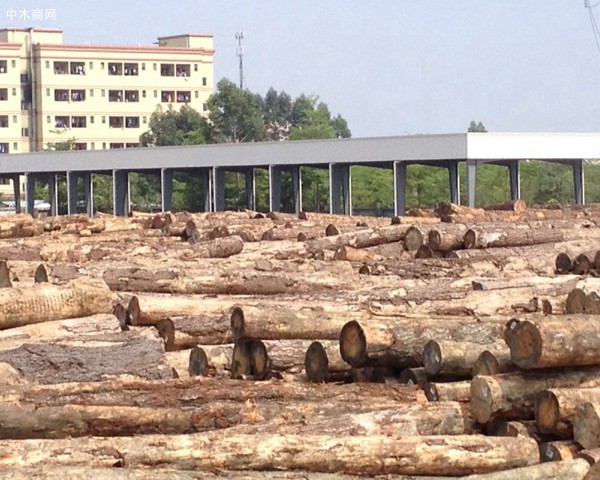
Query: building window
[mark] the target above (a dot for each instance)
(24, 105)
(3, 94)
(80, 146)
(196, 94)
(91, 119)
(132, 122)
(132, 96)
(132, 145)
(145, 119)
(183, 96)
(15, 146)
(61, 95)
(14, 91)
(154, 66)
(183, 70)
(61, 68)
(91, 65)
(47, 92)
(77, 68)
(117, 145)
(78, 95)
(103, 92)
(101, 65)
(115, 68)
(14, 119)
(78, 122)
(48, 119)
(167, 96)
(204, 107)
(204, 81)
(195, 67)
(115, 95)
(131, 69)
(24, 78)
(13, 63)
(91, 92)
(167, 70)
(104, 145)
(93, 145)
(103, 119)
(143, 66)
(3, 121)
(47, 63)
(115, 122)
(4, 147)
(24, 132)
(61, 121)
(4, 66)
(143, 93)
(155, 94)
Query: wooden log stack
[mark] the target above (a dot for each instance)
(302, 346)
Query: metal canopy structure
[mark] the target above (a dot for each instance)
(338, 155)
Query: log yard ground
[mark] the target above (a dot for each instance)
(449, 343)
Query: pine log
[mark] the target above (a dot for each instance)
(217, 248)
(372, 455)
(443, 357)
(555, 409)
(413, 238)
(515, 237)
(90, 358)
(494, 362)
(43, 302)
(556, 343)
(586, 425)
(512, 395)
(446, 240)
(559, 450)
(401, 343)
(351, 254)
(516, 206)
(448, 391)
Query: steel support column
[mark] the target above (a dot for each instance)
(340, 189)
(578, 181)
(88, 192)
(16, 179)
(454, 179)
(250, 179)
(166, 189)
(399, 188)
(121, 198)
(53, 193)
(218, 189)
(471, 182)
(30, 179)
(274, 188)
(296, 171)
(72, 178)
(515, 179)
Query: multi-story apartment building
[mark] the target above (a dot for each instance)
(99, 96)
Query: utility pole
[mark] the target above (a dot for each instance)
(240, 54)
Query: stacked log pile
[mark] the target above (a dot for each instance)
(454, 343)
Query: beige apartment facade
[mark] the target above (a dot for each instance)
(98, 96)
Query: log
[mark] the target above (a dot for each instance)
(372, 455)
(90, 358)
(360, 239)
(556, 343)
(413, 238)
(448, 392)
(500, 427)
(493, 363)
(565, 470)
(351, 254)
(217, 248)
(43, 302)
(443, 357)
(556, 408)
(445, 241)
(559, 450)
(576, 301)
(515, 237)
(512, 395)
(414, 376)
(401, 343)
(586, 425)
(516, 206)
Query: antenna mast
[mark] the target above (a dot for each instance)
(240, 54)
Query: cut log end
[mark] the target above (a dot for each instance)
(526, 345)
(259, 360)
(547, 411)
(238, 324)
(331, 230)
(508, 331)
(486, 364)
(413, 239)
(575, 302)
(353, 344)
(134, 311)
(586, 426)
(166, 331)
(364, 270)
(470, 239)
(432, 357)
(483, 390)
(41, 275)
(563, 263)
(121, 314)
(4, 275)
(316, 363)
(198, 364)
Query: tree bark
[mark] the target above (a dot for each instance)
(512, 395)
(515, 237)
(443, 357)
(447, 239)
(448, 392)
(555, 409)
(372, 455)
(556, 343)
(43, 302)
(565, 470)
(559, 450)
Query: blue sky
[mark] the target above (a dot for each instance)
(390, 67)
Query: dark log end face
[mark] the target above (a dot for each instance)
(431, 392)
(470, 238)
(364, 270)
(362, 224)
(563, 263)
(302, 237)
(121, 314)
(240, 359)
(198, 364)
(546, 412)
(486, 364)
(133, 311)
(41, 275)
(424, 251)
(510, 328)
(481, 400)
(267, 235)
(166, 330)
(546, 307)
(258, 216)
(575, 302)
(272, 216)
(582, 265)
(259, 360)
(413, 239)
(525, 345)
(340, 253)
(592, 304)
(302, 216)
(238, 324)
(434, 239)
(353, 344)
(396, 221)
(316, 363)
(319, 255)
(432, 357)
(331, 230)
(4, 275)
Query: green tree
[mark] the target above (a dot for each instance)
(476, 127)
(235, 115)
(175, 127)
(276, 110)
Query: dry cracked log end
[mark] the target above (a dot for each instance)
(364, 270)
(166, 331)
(316, 363)
(353, 344)
(249, 359)
(198, 365)
(41, 275)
